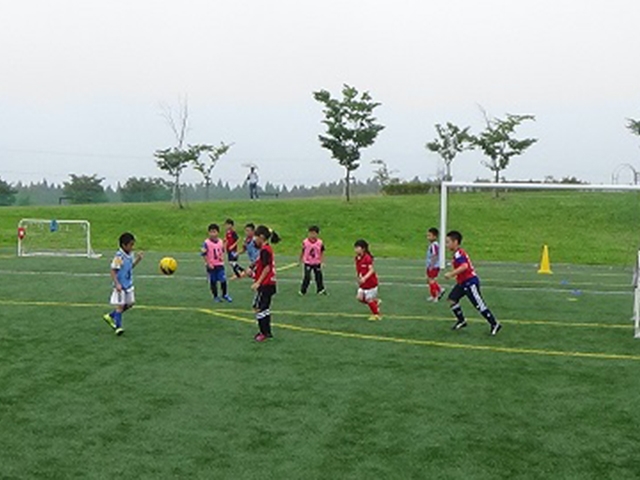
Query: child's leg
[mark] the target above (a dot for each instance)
(117, 315)
(214, 288)
(454, 299)
(371, 298)
(263, 309)
(306, 280)
(319, 278)
(474, 295)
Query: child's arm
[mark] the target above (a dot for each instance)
(368, 275)
(139, 257)
(301, 256)
(454, 273)
(114, 277)
(261, 278)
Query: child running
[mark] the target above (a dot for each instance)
(264, 281)
(367, 279)
(213, 255)
(468, 284)
(122, 265)
(231, 239)
(433, 266)
(312, 256)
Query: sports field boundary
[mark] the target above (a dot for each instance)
(349, 335)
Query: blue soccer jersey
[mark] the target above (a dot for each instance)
(253, 252)
(123, 264)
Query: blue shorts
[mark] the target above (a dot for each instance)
(232, 256)
(216, 274)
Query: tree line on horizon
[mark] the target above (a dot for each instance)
(350, 128)
(89, 189)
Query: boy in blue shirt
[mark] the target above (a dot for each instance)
(122, 265)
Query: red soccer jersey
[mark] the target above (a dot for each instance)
(364, 263)
(231, 240)
(460, 257)
(266, 259)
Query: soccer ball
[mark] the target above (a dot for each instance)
(168, 265)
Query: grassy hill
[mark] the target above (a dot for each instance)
(594, 228)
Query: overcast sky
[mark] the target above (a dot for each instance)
(82, 80)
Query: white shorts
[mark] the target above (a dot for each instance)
(123, 297)
(369, 294)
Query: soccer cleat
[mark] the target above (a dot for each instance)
(119, 331)
(431, 300)
(459, 324)
(301, 293)
(322, 292)
(260, 337)
(217, 299)
(375, 318)
(228, 298)
(107, 318)
(495, 329)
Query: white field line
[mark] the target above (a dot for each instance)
(565, 291)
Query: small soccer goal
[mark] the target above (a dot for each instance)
(55, 238)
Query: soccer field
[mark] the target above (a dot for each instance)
(186, 393)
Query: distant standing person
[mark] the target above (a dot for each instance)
(253, 180)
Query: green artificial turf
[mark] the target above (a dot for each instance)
(592, 228)
(186, 393)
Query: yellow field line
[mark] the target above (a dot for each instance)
(341, 334)
(433, 343)
(550, 323)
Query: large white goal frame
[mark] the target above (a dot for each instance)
(444, 211)
(84, 251)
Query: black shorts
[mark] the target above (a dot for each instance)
(262, 300)
(471, 290)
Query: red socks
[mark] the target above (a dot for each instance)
(373, 306)
(435, 289)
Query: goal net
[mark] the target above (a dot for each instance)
(591, 233)
(68, 238)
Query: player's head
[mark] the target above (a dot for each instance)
(432, 234)
(264, 234)
(454, 239)
(314, 231)
(250, 229)
(127, 241)
(228, 224)
(214, 231)
(361, 247)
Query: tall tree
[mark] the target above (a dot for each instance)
(451, 141)
(383, 174)
(205, 167)
(7, 194)
(351, 127)
(145, 190)
(84, 189)
(633, 126)
(175, 160)
(499, 144)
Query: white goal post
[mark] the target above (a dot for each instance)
(63, 238)
(446, 187)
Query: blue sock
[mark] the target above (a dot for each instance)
(117, 317)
